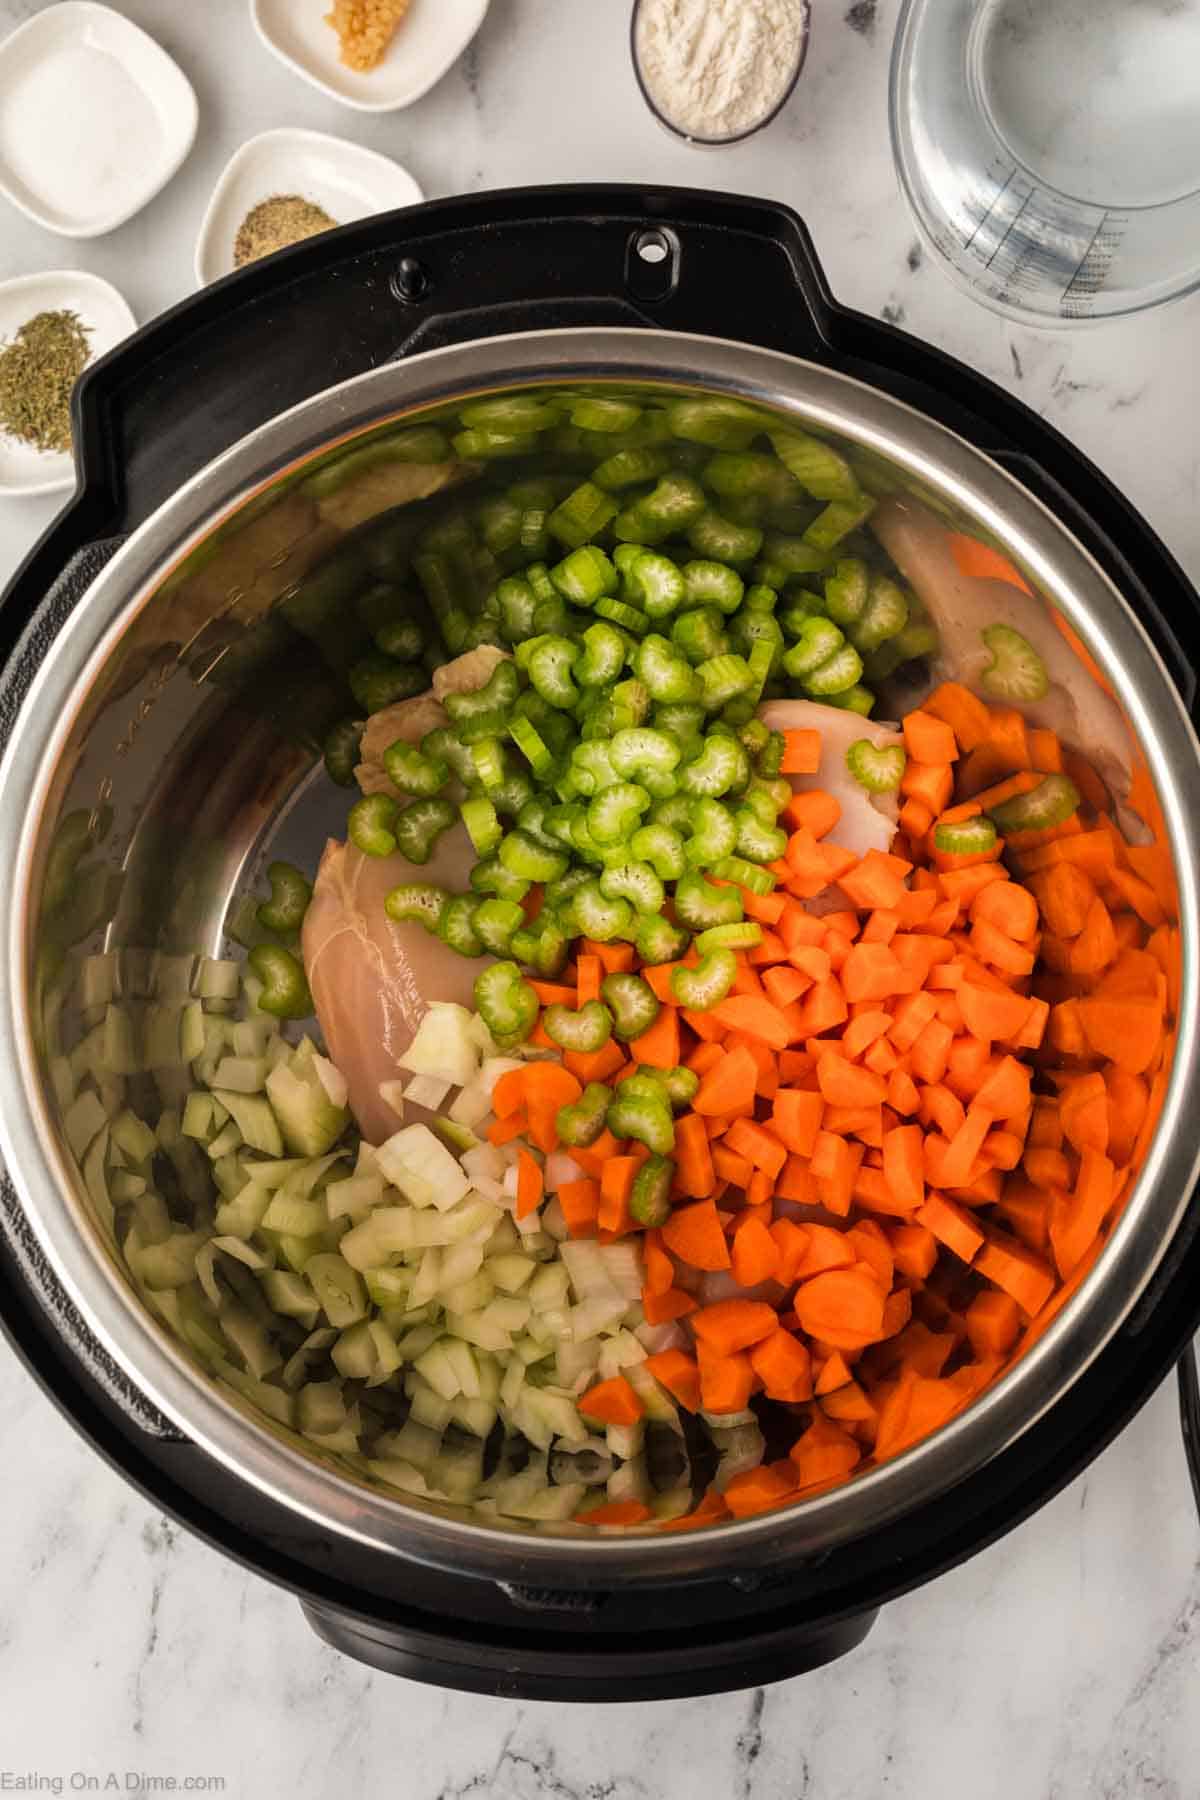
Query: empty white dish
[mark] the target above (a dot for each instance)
(94, 118)
(344, 179)
(23, 470)
(432, 35)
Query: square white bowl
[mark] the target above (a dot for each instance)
(95, 118)
(346, 180)
(432, 36)
(25, 471)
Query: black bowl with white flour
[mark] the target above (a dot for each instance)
(716, 71)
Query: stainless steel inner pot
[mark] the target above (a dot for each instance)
(135, 712)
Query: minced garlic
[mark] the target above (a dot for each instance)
(365, 28)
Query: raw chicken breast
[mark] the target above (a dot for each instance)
(410, 720)
(868, 821)
(372, 980)
(963, 606)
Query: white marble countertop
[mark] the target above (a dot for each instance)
(1061, 1663)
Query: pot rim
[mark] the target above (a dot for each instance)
(30, 1139)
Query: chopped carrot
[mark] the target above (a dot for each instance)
(591, 973)
(967, 716)
(1005, 1092)
(983, 562)
(1083, 1112)
(917, 1405)
(930, 784)
(825, 1249)
(928, 739)
(834, 1373)
(825, 1453)
(952, 1225)
(693, 1234)
(694, 1170)
(661, 1309)
(842, 1306)
(1016, 1270)
(903, 1165)
(791, 1241)
(754, 1253)
(503, 1131)
(872, 972)
(902, 1095)
(914, 1249)
(760, 1147)
(730, 1325)
(758, 1490)
(801, 753)
(770, 949)
(815, 811)
(784, 1366)
(797, 1181)
(552, 993)
(844, 1083)
(530, 1186)
(727, 1085)
(783, 985)
(991, 1013)
(993, 1323)
(615, 959)
(658, 1048)
(874, 883)
(834, 1165)
(726, 1382)
(796, 1119)
(677, 1372)
(767, 909)
(711, 1509)
(1127, 1032)
(612, 1402)
(616, 1185)
(615, 1512)
(1076, 1218)
(756, 1017)
(580, 1202)
(595, 1065)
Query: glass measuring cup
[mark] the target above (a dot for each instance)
(1050, 149)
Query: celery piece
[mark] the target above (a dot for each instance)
(879, 770)
(967, 837)
(1016, 671)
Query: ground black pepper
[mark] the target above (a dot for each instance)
(273, 224)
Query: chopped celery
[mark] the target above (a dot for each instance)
(1016, 671)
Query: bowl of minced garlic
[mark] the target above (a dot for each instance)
(365, 28)
(374, 55)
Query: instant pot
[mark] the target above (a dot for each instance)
(187, 554)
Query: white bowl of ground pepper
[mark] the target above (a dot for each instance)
(51, 327)
(289, 184)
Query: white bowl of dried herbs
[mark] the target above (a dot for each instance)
(52, 326)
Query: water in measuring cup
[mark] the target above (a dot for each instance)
(1096, 99)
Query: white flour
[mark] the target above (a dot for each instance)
(717, 67)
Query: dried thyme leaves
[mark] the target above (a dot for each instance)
(39, 367)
